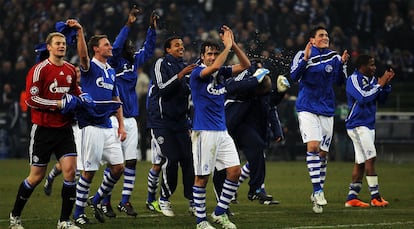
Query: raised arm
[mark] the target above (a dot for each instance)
(244, 61)
(227, 39)
(81, 44)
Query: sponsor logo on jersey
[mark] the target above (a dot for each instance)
(54, 88)
(101, 83)
(215, 91)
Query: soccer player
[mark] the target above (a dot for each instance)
(168, 118)
(212, 145)
(51, 84)
(125, 61)
(316, 69)
(252, 120)
(99, 140)
(364, 91)
(57, 168)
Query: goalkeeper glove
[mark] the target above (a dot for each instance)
(260, 74)
(282, 84)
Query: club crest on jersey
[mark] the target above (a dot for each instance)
(34, 90)
(365, 83)
(328, 68)
(69, 79)
(54, 88)
(160, 140)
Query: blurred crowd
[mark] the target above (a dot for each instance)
(266, 29)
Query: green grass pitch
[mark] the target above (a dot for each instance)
(288, 182)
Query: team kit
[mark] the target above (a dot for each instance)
(199, 115)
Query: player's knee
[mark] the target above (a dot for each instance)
(313, 146)
(34, 180)
(131, 164)
(233, 173)
(117, 170)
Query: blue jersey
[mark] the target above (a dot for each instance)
(126, 72)
(316, 78)
(363, 92)
(208, 96)
(167, 101)
(99, 83)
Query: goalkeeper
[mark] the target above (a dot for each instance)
(53, 95)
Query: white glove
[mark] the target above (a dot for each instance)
(260, 74)
(282, 83)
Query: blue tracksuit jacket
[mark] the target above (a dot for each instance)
(363, 92)
(316, 78)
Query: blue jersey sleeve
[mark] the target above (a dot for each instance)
(242, 83)
(146, 52)
(362, 94)
(298, 66)
(119, 42)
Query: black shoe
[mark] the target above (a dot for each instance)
(82, 220)
(47, 188)
(234, 199)
(127, 208)
(259, 196)
(229, 213)
(107, 210)
(97, 211)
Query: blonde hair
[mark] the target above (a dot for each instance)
(52, 35)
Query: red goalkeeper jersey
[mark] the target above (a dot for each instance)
(46, 83)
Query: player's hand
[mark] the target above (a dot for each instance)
(308, 50)
(345, 57)
(154, 20)
(278, 139)
(187, 70)
(122, 134)
(389, 75)
(386, 77)
(227, 36)
(73, 23)
(133, 13)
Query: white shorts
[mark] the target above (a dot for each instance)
(363, 139)
(130, 145)
(156, 153)
(100, 145)
(213, 149)
(316, 128)
(77, 134)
